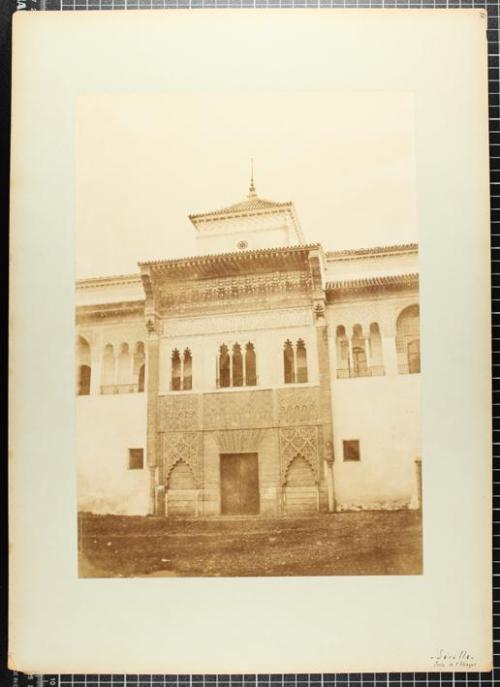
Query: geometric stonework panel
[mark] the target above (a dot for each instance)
(299, 441)
(238, 410)
(298, 406)
(239, 440)
(185, 447)
(178, 413)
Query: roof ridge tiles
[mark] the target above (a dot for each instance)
(394, 248)
(377, 280)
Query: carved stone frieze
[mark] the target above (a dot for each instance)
(183, 296)
(183, 446)
(299, 441)
(238, 410)
(298, 406)
(292, 317)
(178, 412)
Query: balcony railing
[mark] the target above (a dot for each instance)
(241, 384)
(120, 389)
(372, 371)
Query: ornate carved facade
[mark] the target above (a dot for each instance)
(263, 354)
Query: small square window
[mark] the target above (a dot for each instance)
(351, 449)
(135, 458)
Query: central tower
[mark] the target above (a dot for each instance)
(251, 224)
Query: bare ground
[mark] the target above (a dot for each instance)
(360, 543)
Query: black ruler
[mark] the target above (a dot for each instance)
(424, 679)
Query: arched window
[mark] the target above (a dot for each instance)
(359, 366)
(295, 362)
(224, 367)
(237, 366)
(408, 340)
(108, 370)
(376, 357)
(359, 363)
(175, 382)
(301, 362)
(187, 371)
(139, 367)
(288, 362)
(84, 380)
(250, 365)
(342, 344)
(123, 370)
(83, 367)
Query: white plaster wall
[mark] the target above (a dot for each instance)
(383, 413)
(228, 242)
(106, 427)
(371, 266)
(266, 230)
(108, 291)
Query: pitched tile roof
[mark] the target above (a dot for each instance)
(373, 282)
(250, 204)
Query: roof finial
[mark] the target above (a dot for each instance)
(251, 192)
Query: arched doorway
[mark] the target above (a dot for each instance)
(301, 491)
(181, 492)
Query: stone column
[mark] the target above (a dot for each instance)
(325, 391)
(351, 354)
(153, 347)
(95, 367)
(316, 267)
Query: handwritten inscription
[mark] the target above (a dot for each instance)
(453, 659)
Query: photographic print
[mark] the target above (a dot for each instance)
(250, 342)
(247, 335)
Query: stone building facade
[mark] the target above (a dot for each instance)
(262, 376)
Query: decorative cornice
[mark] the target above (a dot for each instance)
(109, 310)
(372, 252)
(115, 280)
(217, 264)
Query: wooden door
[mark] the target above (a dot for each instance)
(239, 483)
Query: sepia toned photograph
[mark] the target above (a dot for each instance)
(247, 325)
